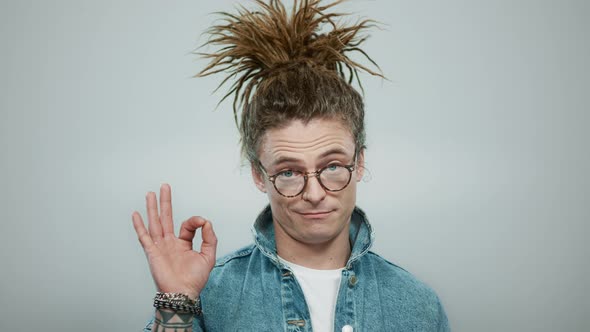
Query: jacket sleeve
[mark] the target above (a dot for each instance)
(198, 325)
(149, 325)
(443, 321)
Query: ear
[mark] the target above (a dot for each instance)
(360, 168)
(258, 178)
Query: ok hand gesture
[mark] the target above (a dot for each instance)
(175, 266)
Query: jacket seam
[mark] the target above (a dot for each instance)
(238, 254)
(385, 260)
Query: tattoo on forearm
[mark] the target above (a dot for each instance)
(169, 321)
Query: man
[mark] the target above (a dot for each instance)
(302, 129)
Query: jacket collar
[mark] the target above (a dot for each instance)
(361, 235)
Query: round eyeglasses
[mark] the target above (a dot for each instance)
(290, 183)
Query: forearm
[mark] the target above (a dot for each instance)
(167, 320)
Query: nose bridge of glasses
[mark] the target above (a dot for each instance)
(316, 175)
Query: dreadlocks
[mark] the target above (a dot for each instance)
(285, 69)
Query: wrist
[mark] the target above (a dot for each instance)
(177, 302)
(192, 294)
(168, 318)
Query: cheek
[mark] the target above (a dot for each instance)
(349, 198)
(279, 203)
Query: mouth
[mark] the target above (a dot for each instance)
(315, 214)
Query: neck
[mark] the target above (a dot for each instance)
(329, 255)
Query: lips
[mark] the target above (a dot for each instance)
(315, 214)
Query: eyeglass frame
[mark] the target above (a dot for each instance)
(316, 174)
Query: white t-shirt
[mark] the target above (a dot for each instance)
(320, 288)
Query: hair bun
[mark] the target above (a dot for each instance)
(253, 45)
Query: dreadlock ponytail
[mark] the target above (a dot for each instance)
(285, 69)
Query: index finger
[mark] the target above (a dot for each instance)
(189, 228)
(209, 244)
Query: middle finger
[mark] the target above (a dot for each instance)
(154, 225)
(166, 209)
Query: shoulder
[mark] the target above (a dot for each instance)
(236, 265)
(383, 265)
(392, 277)
(239, 255)
(400, 293)
(245, 268)
(230, 269)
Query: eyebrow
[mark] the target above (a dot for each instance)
(285, 159)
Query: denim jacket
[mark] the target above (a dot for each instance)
(251, 290)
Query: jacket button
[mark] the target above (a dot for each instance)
(353, 280)
(347, 328)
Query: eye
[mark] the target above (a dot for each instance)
(287, 173)
(332, 168)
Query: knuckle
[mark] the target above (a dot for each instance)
(144, 236)
(199, 220)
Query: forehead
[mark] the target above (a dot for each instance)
(305, 141)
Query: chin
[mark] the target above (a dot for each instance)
(317, 231)
(318, 239)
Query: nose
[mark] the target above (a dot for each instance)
(313, 191)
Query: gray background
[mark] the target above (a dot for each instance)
(478, 155)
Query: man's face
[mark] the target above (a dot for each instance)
(316, 216)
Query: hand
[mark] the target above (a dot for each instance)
(175, 266)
